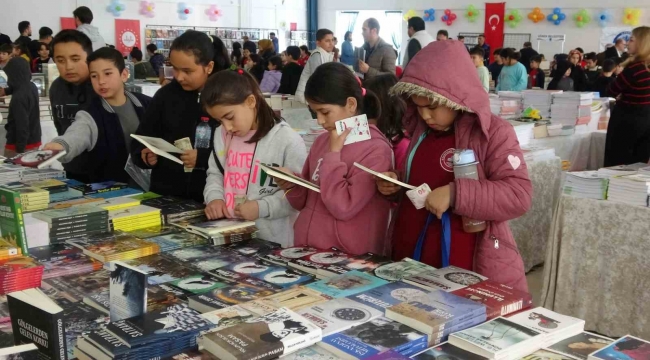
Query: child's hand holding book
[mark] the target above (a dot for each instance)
(386, 187)
(217, 209)
(249, 210)
(283, 184)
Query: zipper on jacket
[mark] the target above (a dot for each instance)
(496, 241)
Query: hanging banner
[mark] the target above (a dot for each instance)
(127, 35)
(551, 37)
(609, 35)
(494, 14)
(68, 23)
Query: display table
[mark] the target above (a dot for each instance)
(531, 231)
(585, 151)
(598, 265)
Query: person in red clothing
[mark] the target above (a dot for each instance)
(536, 75)
(304, 55)
(448, 109)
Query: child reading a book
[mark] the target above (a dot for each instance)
(176, 113)
(104, 129)
(442, 116)
(347, 213)
(250, 134)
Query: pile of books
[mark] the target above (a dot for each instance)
(585, 184)
(174, 209)
(41, 174)
(540, 100)
(134, 218)
(73, 222)
(8, 250)
(553, 326)
(176, 240)
(63, 260)
(537, 153)
(620, 170)
(571, 108)
(224, 231)
(509, 105)
(524, 131)
(53, 186)
(31, 198)
(19, 273)
(630, 189)
(118, 248)
(10, 173)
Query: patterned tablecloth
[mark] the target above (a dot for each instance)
(597, 265)
(585, 151)
(531, 231)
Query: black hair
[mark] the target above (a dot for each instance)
(44, 32)
(334, 83)
(305, 49)
(443, 32)
(528, 44)
(271, 33)
(392, 107)
(221, 58)
(255, 58)
(608, 65)
(477, 50)
(236, 53)
(558, 74)
(510, 53)
(373, 24)
(497, 51)
(258, 69)
(481, 35)
(23, 49)
(250, 46)
(277, 61)
(22, 26)
(536, 58)
(205, 48)
(233, 87)
(580, 50)
(461, 37)
(591, 56)
(416, 23)
(84, 14)
(294, 52)
(6, 48)
(347, 35)
(152, 48)
(109, 54)
(41, 44)
(321, 33)
(136, 54)
(72, 36)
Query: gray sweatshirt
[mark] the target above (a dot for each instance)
(280, 147)
(93, 34)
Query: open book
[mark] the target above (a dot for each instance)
(160, 147)
(380, 175)
(290, 178)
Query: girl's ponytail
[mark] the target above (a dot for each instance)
(221, 58)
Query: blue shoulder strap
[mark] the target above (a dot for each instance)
(445, 238)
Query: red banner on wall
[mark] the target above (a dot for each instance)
(68, 23)
(127, 35)
(494, 14)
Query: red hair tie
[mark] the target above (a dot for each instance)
(363, 90)
(240, 71)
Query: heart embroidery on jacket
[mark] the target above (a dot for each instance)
(515, 162)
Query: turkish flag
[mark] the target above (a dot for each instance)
(494, 14)
(127, 35)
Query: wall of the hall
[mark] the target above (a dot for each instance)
(586, 37)
(236, 13)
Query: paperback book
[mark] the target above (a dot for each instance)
(284, 256)
(199, 284)
(385, 296)
(37, 158)
(276, 173)
(161, 269)
(238, 293)
(500, 300)
(294, 299)
(314, 263)
(12, 224)
(101, 187)
(367, 262)
(447, 351)
(217, 226)
(128, 291)
(626, 348)
(399, 270)
(556, 326)
(448, 279)
(581, 345)
(253, 247)
(347, 284)
(339, 314)
(229, 316)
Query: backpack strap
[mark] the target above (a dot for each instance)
(214, 153)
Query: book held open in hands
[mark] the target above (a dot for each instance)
(160, 147)
(290, 178)
(382, 176)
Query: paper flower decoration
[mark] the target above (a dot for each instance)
(184, 11)
(116, 8)
(213, 12)
(429, 15)
(604, 18)
(536, 15)
(448, 17)
(147, 9)
(631, 16)
(556, 17)
(409, 14)
(513, 18)
(582, 18)
(472, 13)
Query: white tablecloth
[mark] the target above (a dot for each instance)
(585, 150)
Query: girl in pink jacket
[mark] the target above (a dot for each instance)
(348, 213)
(448, 109)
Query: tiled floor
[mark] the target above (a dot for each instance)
(535, 279)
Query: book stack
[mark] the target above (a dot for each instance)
(402, 269)
(62, 260)
(585, 184)
(499, 299)
(8, 250)
(524, 131)
(438, 314)
(19, 273)
(53, 186)
(134, 218)
(540, 100)
(537, 153)
(75, 221)
(175, 241)
(449, 279)
(31, 198)
(571, 108)
(121, 248)
(115, 203)
(630, 189)
(620, 170)
(295, 299)
(385, 296)
(511, 105)
(10, 173)
(41, 174)
(224, 231)
(237, 293)
(337, 315)
(234, 236)
(554, 326)
(175, 209)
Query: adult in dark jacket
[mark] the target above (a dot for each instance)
(175, 113)
(156, 60)
(580, 81)
(291, 72)
(560, 81)
(527, 53)
(616, 51)
(23, 122)
(380, 55)
(25, 30)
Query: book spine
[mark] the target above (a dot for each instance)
(21, 234)
(59, 348)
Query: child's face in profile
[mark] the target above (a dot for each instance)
(534, 65)
(107, 80)
(477, 60)
(328, 114)
(238, 120)
(4, 57)
(70, 59)
(437, 117)
(591, 63)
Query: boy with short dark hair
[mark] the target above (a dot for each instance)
(291, 72)
(23, 122)
(536, 75)
(592, 70)
(323, 54)
(143, 69)
(83, 17)
(103, 131)
(606, 77)
(5, 54)
(43, 58)
(442, 35)
(483, 74)
(496, 66)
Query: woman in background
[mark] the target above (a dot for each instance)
(236, 55)
(577, 72)
(304, 55)
(347, 50)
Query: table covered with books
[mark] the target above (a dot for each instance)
(597, 265)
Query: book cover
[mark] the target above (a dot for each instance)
(273, 274)
(80, 319)
(124, 192)
(160, 269)
(253, 247)
(447, 351)
(81, 212)
(231, 295)
(132, 213)
(12, 223)
(37, 158)
(398, 270)
(313, 352)
(101, 187)
(128, 291)
(339, 314)
(154, 231)
(174, 321)
(67, 290)
(198, 284)
(365, 262)
(448, 279)
(547, 321)
(229, 316)
(500, 300)
(495, 337)
(625, 348)
(322, 258)
(196, 253)
(385, 296)
(347, 284)
(546, 355)
(435, 311)
(581, 345)
(217, 226)
(146, 196)
(218, 261)
(294, 299)
(162, 201)
(121, 248)
(374, 337)
(267, 337)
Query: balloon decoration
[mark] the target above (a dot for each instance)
(429, 15)
(604, 18)
(448, 17)
(556, 17)
(513, 18)
(631, 16)
(536, 15)
(582, 18)
(409, 14)
(147, 9)
(213, 12)
(472, 13)
(184, 11)
(115, 8)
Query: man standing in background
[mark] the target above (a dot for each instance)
(616, 51)
(275, 41)
(44, 36)
(83, 17)
(527, 53)
(419, 38)
(25, 30)
(380, 56)
(323, 54)
(486, 49)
